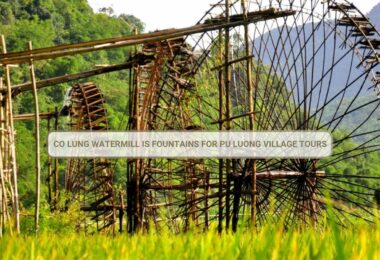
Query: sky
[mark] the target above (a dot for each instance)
(164, 14)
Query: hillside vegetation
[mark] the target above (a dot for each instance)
(52, 22)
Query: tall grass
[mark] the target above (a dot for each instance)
(270, 242)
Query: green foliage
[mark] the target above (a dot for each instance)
(48, 23)
(56, 222)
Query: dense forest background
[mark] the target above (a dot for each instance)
(53, 22)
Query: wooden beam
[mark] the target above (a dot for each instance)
(265, 175)
(25, 117)
(140, 59)
(220, 67)
(278, 175)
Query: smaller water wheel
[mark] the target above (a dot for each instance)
(90, 180)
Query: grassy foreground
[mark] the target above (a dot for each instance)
(269, 243)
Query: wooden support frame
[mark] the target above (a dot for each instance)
(9, 145)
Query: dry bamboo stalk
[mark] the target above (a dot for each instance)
(11, 140)
(37, 138)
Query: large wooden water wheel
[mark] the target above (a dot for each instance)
(90, 180)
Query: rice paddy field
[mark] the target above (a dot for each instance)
(271, 242)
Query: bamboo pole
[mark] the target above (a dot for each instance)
(50, 173)
(2, 114)
(221, 162)
(56, 176)
(11, 140)
(129, 226)
(1, 217)
(251, 110)
(37, 138)
(26, 117)
(138, 161)
(138, 127)
(206, 194)
(3, 193)
(121, 213)
(227, 80)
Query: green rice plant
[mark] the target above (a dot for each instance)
(270, 242)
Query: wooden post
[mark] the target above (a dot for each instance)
(56, 194)
(251, 110)
(11, 140)
(137, 166)
(227, 80)
(206, 175)
(221, 162)
(138, 161)
(129, 222)
(37, 138)
(136, 223)
(121, 213)
(3, 193)
(50, 172)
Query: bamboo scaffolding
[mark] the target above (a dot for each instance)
(10, 156)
